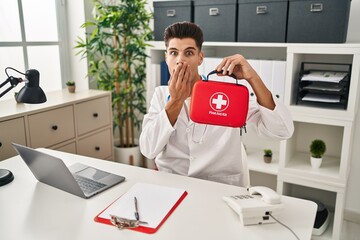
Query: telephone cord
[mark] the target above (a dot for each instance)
(285, 226)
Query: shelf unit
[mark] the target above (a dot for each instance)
(291, 169)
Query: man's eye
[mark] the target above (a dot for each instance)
(189, 53)
(173, 53)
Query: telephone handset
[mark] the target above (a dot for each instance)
(256, 206)
(268, 195)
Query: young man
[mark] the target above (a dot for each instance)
(209, 152)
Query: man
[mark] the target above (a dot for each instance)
(209, 152)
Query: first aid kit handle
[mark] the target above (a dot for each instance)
(215, 71)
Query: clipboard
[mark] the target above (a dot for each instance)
(156, 203)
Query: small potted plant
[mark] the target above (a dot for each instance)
(71, 86)
(267, 155)
(317, 150)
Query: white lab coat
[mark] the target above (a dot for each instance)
(205, 151)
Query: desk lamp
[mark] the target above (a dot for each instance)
(30, 93)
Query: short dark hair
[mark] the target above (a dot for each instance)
(184, 30)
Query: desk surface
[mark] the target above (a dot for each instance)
(32, 210)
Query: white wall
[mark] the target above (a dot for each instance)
(76, 15)
(354, 20)
(353, 194)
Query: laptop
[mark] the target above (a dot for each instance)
(79, 179)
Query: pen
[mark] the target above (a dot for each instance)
(136, 209)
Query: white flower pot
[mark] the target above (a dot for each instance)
(129, 155)
(315, 162)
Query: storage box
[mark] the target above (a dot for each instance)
(322, 21)
(169, 12)
(262, 20)
(217, 19)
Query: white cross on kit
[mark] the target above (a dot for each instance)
(219, 102)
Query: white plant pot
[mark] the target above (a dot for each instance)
(129, 155)
(315, 162)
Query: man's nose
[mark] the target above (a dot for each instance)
(180, 59)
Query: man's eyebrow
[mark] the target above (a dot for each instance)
(188, 48)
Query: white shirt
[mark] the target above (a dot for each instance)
(205, 151)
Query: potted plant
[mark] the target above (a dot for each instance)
(116, 53)
(267, 155)
(317, 150)
(71, 86)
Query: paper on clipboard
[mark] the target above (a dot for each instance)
(155, 204)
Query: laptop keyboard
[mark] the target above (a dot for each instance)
(88, 185)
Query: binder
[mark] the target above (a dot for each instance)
(278, 79)
(155, 203)
(165, 75)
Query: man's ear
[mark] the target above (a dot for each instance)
(165, 56)
(201, 59)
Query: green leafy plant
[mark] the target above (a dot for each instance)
(267, 152)
(317, 148)
(70, 83)
(116, 53)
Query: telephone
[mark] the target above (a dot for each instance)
(257, 206)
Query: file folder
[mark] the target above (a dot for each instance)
(165, 75)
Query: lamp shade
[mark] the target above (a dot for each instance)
(31, 92)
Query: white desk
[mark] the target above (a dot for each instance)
(32, 210)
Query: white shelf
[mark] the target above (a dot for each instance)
(293, 47)
(328, 173)
(256, 161)
(321, 115)
(10, 109)
(301, 162)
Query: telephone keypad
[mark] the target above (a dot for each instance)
(244, 196)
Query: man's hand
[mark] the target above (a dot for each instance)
(240, 67)
(237, 65)
(180, 89)
(180, 83)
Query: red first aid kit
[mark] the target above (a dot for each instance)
(219, 103)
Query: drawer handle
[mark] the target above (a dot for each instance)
(95, 115)
(170, 13)
(261, 9)
(213, 11)
(316, 7)
(54, 127)
(97, 148)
